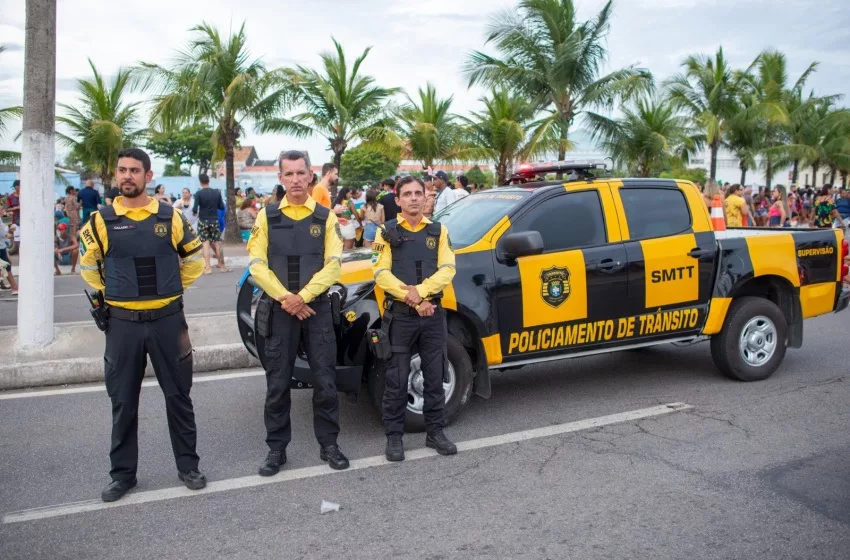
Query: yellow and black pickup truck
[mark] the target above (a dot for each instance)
(552, 270)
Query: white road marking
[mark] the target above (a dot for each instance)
(324, 470)
(101, 387)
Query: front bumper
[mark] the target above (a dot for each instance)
(843, 299)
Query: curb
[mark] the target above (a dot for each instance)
(86, 370)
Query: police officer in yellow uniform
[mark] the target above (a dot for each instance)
(143, 254)
(296, 250)
(413, 262)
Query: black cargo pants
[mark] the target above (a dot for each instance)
(406, 330)
(128, 344)
(285, 335)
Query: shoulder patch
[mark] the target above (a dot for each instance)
(338, 231)
(255, 230)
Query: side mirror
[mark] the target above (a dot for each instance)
(521, 244)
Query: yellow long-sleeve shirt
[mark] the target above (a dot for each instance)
(258, 250)
(382, 263)
(183, 238)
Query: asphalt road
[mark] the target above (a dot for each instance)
(755, 470)
(213, 293)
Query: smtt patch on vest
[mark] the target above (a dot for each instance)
(378, 247)
(160, 229)
(255, 230)
(556, 285)
(431, 243)
(315, 230)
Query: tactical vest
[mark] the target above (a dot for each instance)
(141, 262)
(415, 257)
(296, 247)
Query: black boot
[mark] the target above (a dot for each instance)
(438, 440)
(395, 448)
(336, 460)
(271, 466)
(116, 490)
(194, 480)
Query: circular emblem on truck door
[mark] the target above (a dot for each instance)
(160, 229)
(555, 287)
(315, 230)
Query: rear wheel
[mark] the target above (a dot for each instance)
(752, 343)
(457, 385)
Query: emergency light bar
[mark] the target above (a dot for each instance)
(581, 169)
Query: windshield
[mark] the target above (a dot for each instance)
(472, 216)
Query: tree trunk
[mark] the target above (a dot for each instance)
(35, 303)
(501, 173)
(562, 149)
(338, 146)
(712, 171)
(844, 179)
(795, 172)
(231, 233)
(832, 172)
(815, 167)
(743, 167)
(768, 173)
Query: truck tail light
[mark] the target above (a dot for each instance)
(845, 270)
(845, 248)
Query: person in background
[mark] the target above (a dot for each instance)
(736, 207)
(387, 199)
(778, 212)
(430, 194)
(110, 194)
(322, 191)
(72, 210)
(90, 200)
(277, 194)
(66, 250)
(346, 214)
(207, 204)
(462, 186)
(843, 206)
(825, 211)
(373, 217)
(239, 197)
(185, 204)
(445, 194)
(5, 240)
(748, 198)
(159, 194)
(13, 202)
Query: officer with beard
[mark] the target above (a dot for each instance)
(142, 254)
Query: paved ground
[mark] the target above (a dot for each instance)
(750, 471)
(213, 293)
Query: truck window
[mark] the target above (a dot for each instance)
(568, 221)
(472, 216)
(655, 212)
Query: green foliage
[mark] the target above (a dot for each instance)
(475, 175)
(339, 103)
(101, 124)
(675, 170)
(174, 170)
(554, 61)
(366, 165)
(190, 146)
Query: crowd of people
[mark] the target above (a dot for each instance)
(824, 207)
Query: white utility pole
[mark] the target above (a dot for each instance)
(35, 300)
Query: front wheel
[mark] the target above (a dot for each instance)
(457, 385)
(752, 343)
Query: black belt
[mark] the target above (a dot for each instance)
(146, 315)
(401, 308)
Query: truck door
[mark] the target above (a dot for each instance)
(569, 297)
(671, 258)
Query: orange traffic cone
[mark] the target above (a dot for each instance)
(718, 222)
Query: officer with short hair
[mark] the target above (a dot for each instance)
(413, 262)
(296, 250)
(143, 254)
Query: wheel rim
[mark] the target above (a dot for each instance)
(758, 341)
(416, 384)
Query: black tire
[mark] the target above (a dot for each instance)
(726, 348)
(414, 421)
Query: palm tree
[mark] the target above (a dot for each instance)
(338, 103)
(706, 91)
(429, 130)
(554, 60)
(101, 124)
(8, 114)
(649, 133)
(501, 131)
(824, 139)
(215, 81)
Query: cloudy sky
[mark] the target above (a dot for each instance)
(417, 41)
